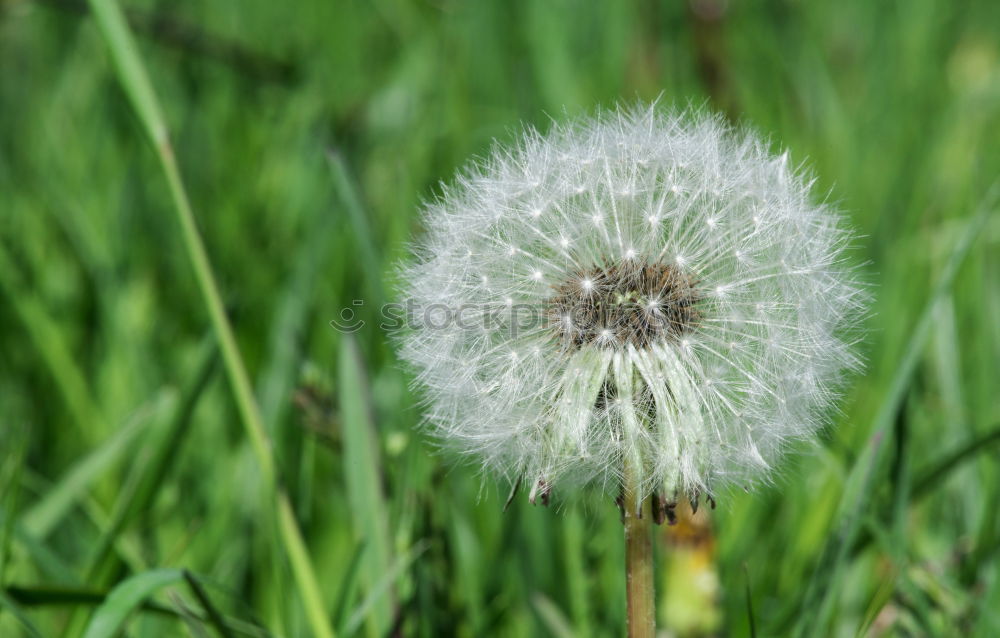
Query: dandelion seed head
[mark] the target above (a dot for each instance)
(692, 306)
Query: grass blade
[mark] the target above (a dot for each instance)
(351, 200)
(10, 483)
(552, 617)
(6, 603)
(139, 90)
(362, 474)
(49, 340)
(63, 596)
(110, 617)
(50, 510)
(214, 617)
(47, 561)
(379, 590)
(348, 586)
(278, 377)
(150, 473)
(939, 471)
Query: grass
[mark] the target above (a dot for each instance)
(188, 448)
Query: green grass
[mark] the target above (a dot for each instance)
(159, 475)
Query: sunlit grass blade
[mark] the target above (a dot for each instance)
(278, 376)
(135, 82)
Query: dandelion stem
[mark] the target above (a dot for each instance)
(641, 610)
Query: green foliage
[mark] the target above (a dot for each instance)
(135, 490)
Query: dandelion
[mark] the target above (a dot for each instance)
(650, 302)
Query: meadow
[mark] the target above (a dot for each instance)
(189, 447)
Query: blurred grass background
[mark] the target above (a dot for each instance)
(307, 135)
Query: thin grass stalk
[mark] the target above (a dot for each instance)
(135, 82)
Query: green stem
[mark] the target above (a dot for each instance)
(641, 607)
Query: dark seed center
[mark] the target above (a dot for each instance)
(625, 303)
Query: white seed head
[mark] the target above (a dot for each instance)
(680, 305)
